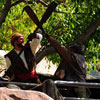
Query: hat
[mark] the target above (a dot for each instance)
(15, 37)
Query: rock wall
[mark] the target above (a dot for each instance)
(15, 94)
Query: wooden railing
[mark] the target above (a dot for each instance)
(73, 98)
(59, 83)
(77, 84)
(63, 84)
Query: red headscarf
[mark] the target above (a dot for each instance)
(14, 37)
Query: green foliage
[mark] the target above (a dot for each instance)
(75, 17)
(0, 62)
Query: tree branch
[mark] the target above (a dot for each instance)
(81, 39)
(7, 7)
(46, 51)
(5, 11)
(42, 2)
(17, 2)
(88, 31)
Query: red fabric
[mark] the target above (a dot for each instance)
(30, 75)
(14, 36)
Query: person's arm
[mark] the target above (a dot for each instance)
(35, 42)
(8, 64)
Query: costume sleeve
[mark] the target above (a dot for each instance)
(8, 63)
(35, 42)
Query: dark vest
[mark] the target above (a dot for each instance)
(17, 65)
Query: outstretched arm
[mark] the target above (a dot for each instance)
(35, 43)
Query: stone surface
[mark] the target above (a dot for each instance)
(16, 94)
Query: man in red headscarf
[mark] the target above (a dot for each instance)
(23, 67)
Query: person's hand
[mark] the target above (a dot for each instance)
(31, 36)
(37, 36)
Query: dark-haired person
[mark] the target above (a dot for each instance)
(74, 69)
(22, 68)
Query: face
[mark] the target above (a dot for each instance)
(20, 41)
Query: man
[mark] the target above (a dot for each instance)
(22, 68)
(73, 65)
(74, 69)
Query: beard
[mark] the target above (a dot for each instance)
(20, 45)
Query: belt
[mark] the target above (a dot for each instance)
(26, 76)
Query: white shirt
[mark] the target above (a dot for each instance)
(34, 44)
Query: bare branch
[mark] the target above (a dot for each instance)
(7, 7)
(42, 2)
(88, 32)
(5, 11)
(17, 2)
(44, 52)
